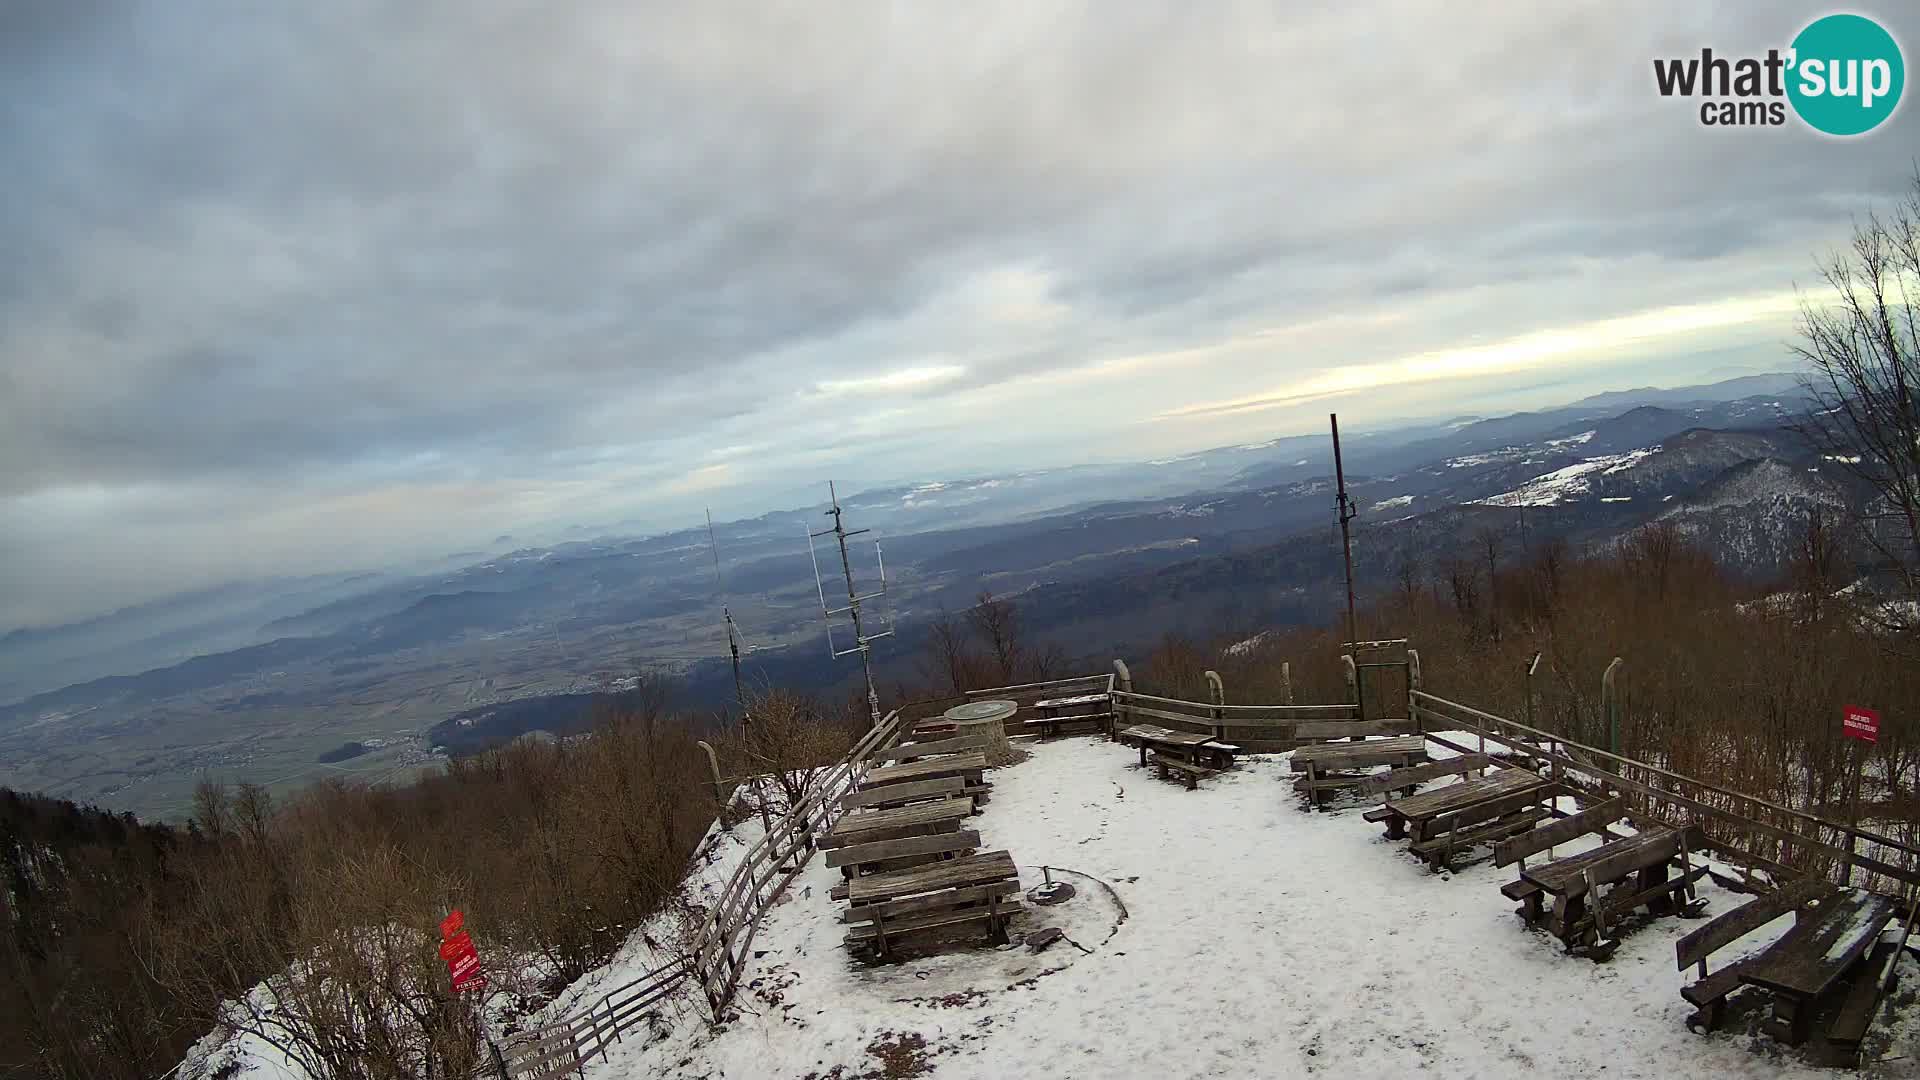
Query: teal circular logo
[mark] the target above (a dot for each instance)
(1846, 74)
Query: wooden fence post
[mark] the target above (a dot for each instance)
(1217, 693)
(1352, 675)
(1286, 681)
(1126, 678)
(713, 764)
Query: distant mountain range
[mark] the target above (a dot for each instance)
(1234, 537)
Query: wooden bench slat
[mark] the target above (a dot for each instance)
(907, 751)
(1553, 834)
(1377, 815)
(914, 905)
(1730, 926)
(965, 765)
(1461, 839)
(977, 869)
(898, 794)
(1313, 730)
(937, 844)
(1607, 863)
(1420, 774)
(940, 920)
(1519, 890)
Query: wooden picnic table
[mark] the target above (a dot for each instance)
(1193, 746)
(1414, 812)
(1646, 856)
(1807, 961)
(865, 827)
(981, 888)
(968, 766)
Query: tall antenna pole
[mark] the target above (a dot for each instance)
(739, 689)
(733, 639)
(1347, 514)
(862, 641)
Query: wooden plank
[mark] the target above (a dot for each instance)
(979, 869)
(1354, 729)
(1560, 832)
(1420, 774)
(1464, 838)
(1618, 906)
(1457, 796)
(879, 851)
(1191, 768)
(1360, 755)
(1730, 926)
(940, 920)
(899, 794)
(854, 827)
(1858, 1008)
(1400, 744)
(1177, 738)
(911, 751)
(1608, 863)
(1825, 943)
(955, 765)
(914, 905)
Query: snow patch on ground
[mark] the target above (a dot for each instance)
(1261, 940)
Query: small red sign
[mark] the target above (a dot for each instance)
(462, 965)
(1857, 722)
(456, 945)
(472, 980)
(451, 925)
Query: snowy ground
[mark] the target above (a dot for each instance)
(1258, 940)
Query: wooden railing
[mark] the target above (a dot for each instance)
(1753, 833)
(1260, 729)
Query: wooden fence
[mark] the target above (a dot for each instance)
(1260, 729)
(1753, 833)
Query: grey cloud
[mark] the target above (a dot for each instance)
(354, 245)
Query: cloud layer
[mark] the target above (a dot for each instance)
(302, 289)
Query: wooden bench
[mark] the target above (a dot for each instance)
(1580, 915)
(983, 887)
(1190, 772)
(870, 826)
(1498, 821)
(1709, 993)
(1330, 766)
(1533, 841)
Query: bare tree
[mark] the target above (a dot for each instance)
(1862, 350)
(997, 623)
(949, 659)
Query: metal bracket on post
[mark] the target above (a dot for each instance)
(1216, 690)
(1123, 683)
(1125, 677)
(1352, 675)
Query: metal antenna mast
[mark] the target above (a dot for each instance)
(1347, 514)
(862, 641)
(733, 639)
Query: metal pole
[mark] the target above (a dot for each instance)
(1347, 514)
(853, 607)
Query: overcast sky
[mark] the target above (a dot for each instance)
(316, 286)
